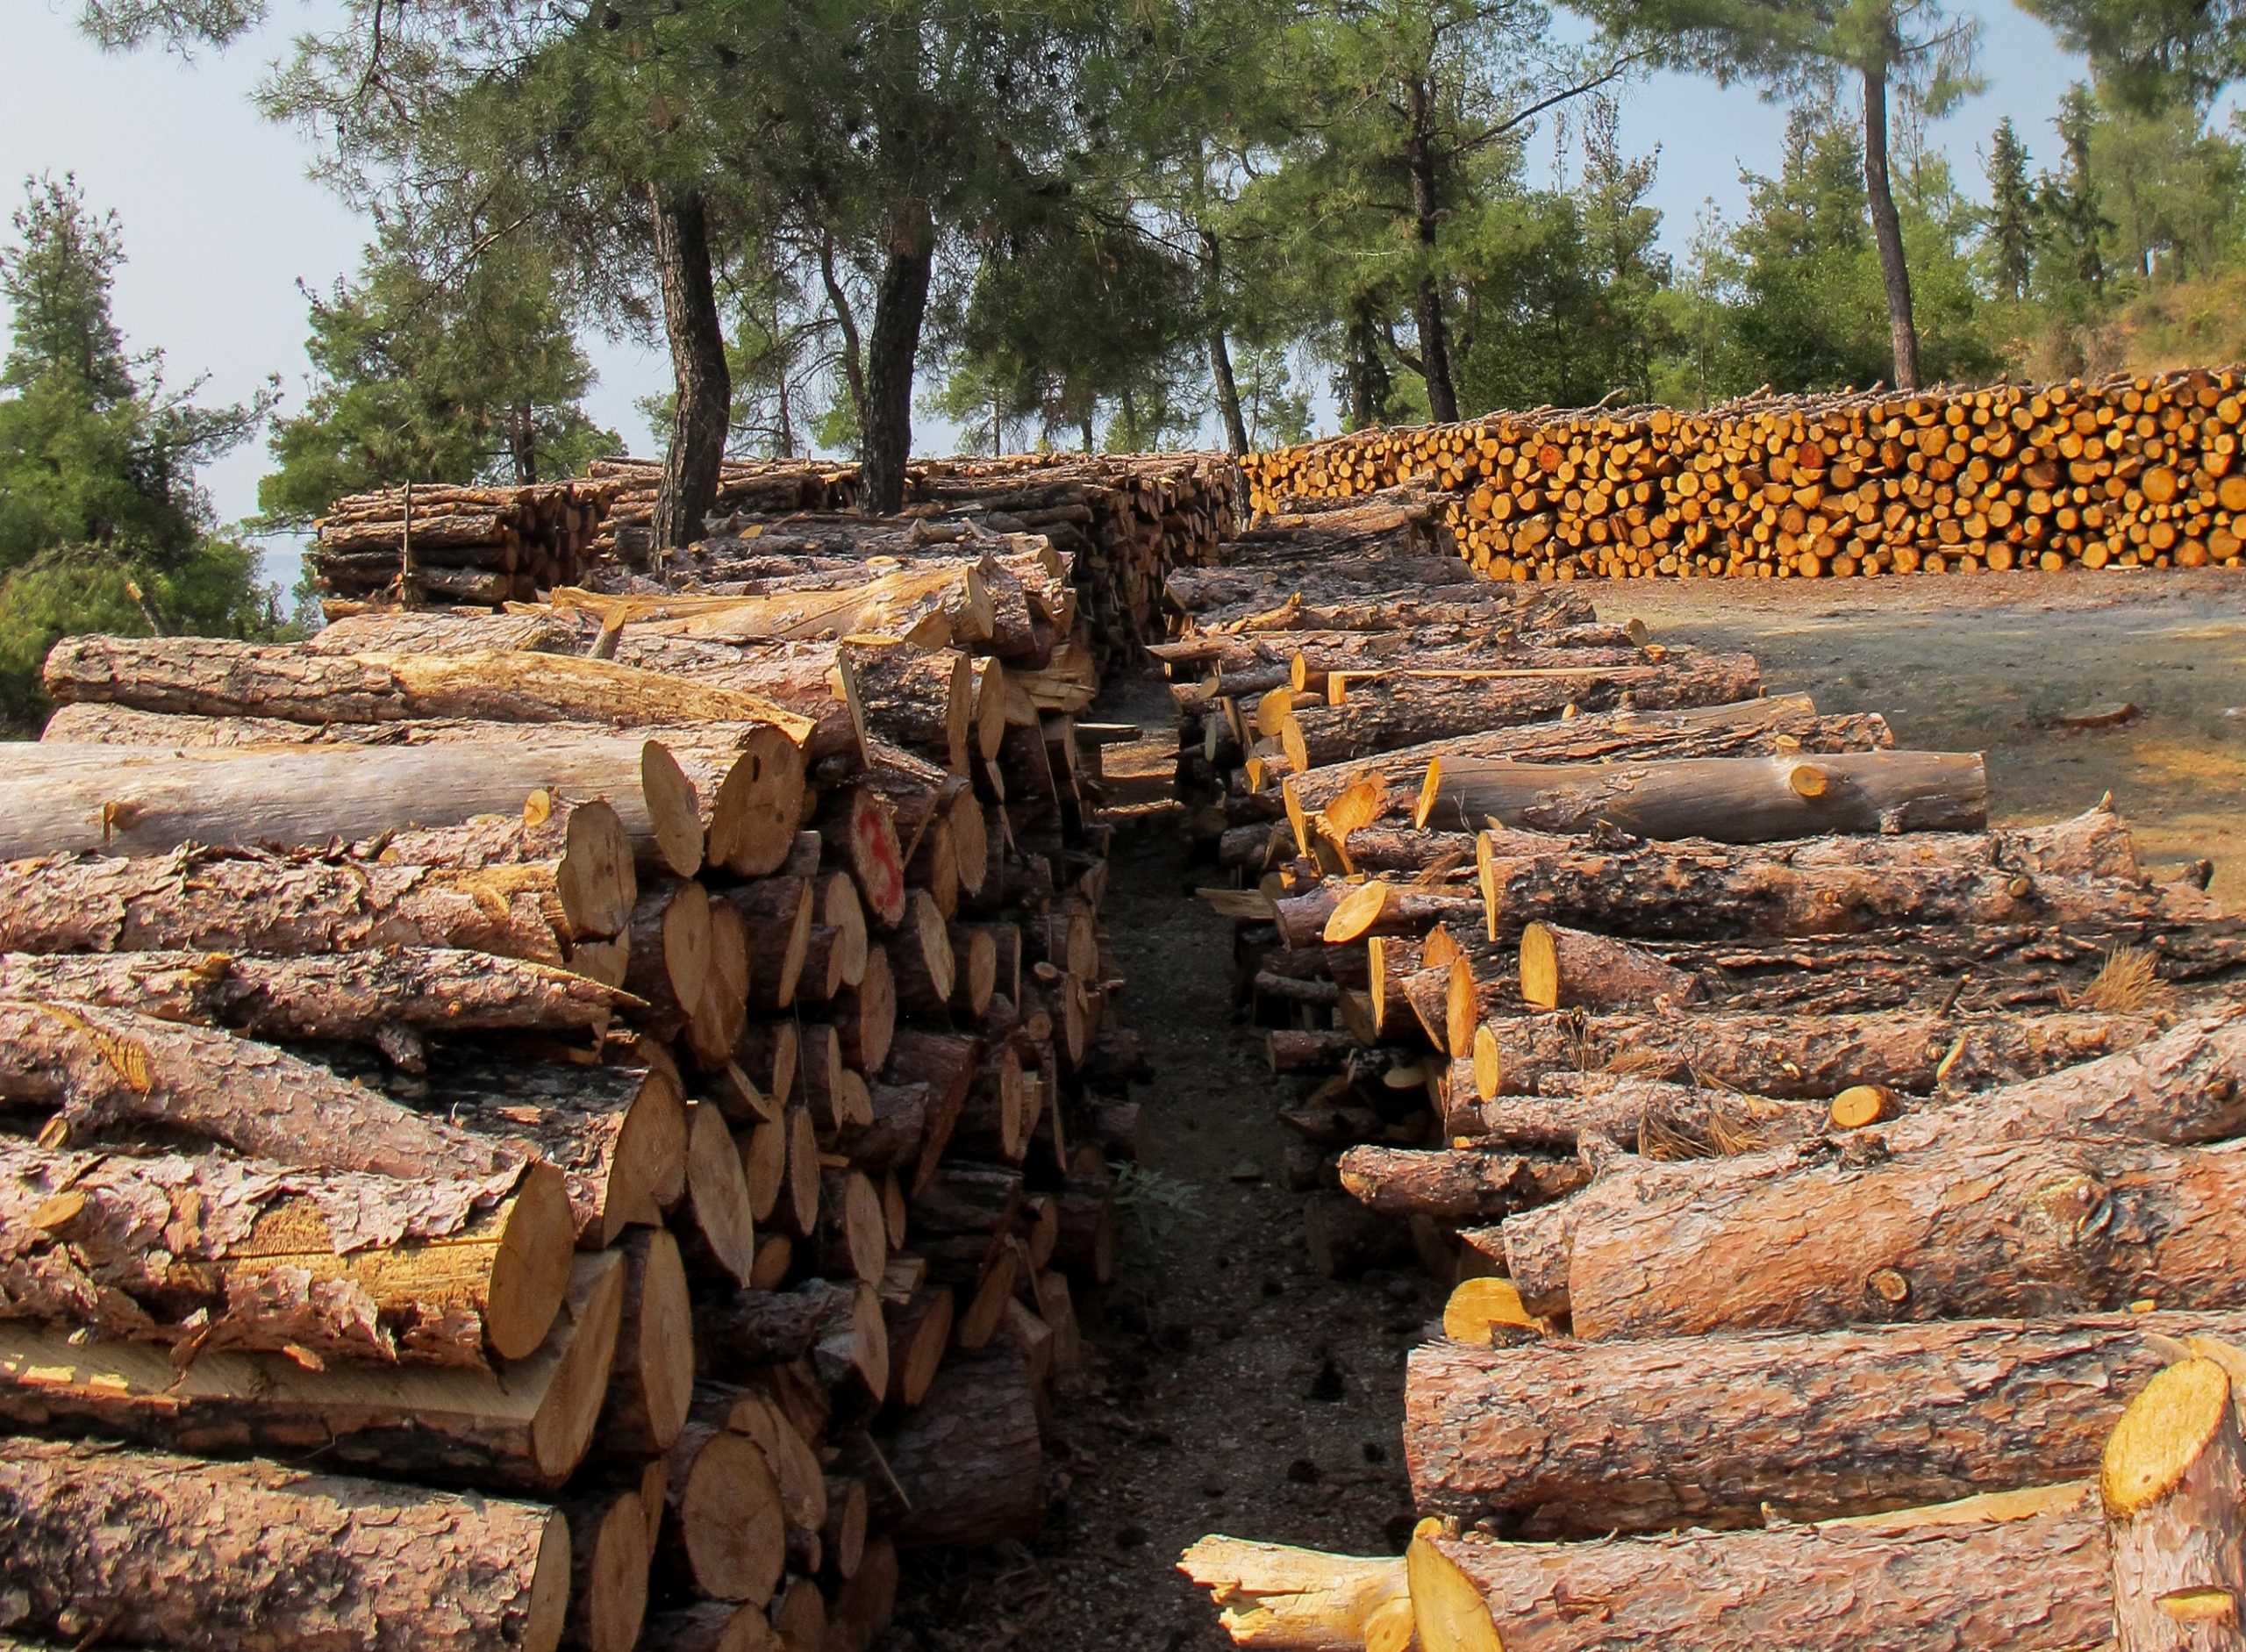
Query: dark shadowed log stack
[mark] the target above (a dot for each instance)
(699, 1157)
(428, 543)
(1803, 1154)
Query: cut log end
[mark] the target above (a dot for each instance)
(674, 808)
(1449, 1614)
(530, 1275)
(2163, 1434)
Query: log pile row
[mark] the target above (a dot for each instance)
(425, 543)
(2126, 472)
(583, 1125)
(1819, 1172)
(745, 488)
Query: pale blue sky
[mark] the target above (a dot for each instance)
(220, 222)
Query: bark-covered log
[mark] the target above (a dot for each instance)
(182, 1552)
(1741, 728)
(254, 1256)
(1400, 711)
(609, 1549)
(970, 1460)
(526, 1428)
(1565, 1438)
(1456, 1188)
(2077, 873)
(115, 800)
(211, 676)
(2170, 1484)
(285, 906)
(1564, 969)
(1738, 800)
(919, 700)
(727, 1536)
(2054, 1225)
(350, 996)
(2015, 1569)
(1816, 1057)
(103, 1070)
(653, 1381)
(932, 607)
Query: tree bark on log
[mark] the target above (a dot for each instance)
(970, 1461)
(1742, 728)
(179, 1551)
(212, 677)
(352, 996)
(2170, 1484)
(2018, 1569)
(1455, 1188)
(120, 800)
(1569, 968)
(1788, 1056)
(105, 1070)
(525, 1428)
(252, 1257)
(1562, 1438)
(1399, 712)
(2049, 1225)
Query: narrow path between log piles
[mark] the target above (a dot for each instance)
(1230, 1388)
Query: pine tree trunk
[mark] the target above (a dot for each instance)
(899, 307)
(1434, 334)
(1227, 392)
(1887, 230)
(703, 412)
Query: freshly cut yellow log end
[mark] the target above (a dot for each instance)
(1862, 1105)
(1459, 1008)
(1488, 1068)
(1447, 1609)
(2201, 1605)
(1540, 968)
(1391, 1627)
(674, 807)
(1438, 949)
(1273, 711)
(1430, 790)
(1480, 1306)
(1638, 632)
(1355, 912)
(2173, 1419)
(1807, 780)
(1360, 806)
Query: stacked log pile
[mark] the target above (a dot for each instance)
(2123, 473)
(430, 544)
(1817, 1171)
(583, 1124)
(745, 488)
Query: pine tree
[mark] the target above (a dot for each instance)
(2011, 235)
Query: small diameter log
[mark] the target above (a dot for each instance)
(1569, 968)
(865, 1016)
(1458, 1188)
(2024, 1569)
(2170, 1485)
(180, 1551)
(946, 1064)
(710, 1626)
(339, 1265)
(839, 1327)
(860, 828)
(2050, 1225)
(919, 1335)
(855, 1240)
(970, 1460)
(653, 1380)
(351, 996)
(716, 1218)
(920, 700)
(610, 1551)
(922, 963)
(105, 1070)
(1559, 1438)
(523, 1428)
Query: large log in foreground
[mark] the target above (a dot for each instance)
(2021, 1570)
(1566, 1438)
(176, 1551)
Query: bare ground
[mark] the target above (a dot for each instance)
(1232, 1389)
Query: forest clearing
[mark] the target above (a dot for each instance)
(620, 1096)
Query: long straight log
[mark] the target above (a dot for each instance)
(350, 996)
(1565, 1438)
(1789, 1056)
(105, 1070)
(526, 1428)
(179, 1551)
(345, 1265)
(2016, 1570)
(2054, 1225)
(2055, 875)
(210, 676)
(116, 800)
